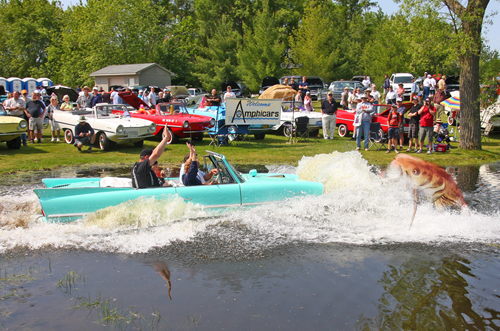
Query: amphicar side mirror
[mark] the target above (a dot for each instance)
(253, 172)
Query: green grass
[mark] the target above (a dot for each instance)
(273, 149)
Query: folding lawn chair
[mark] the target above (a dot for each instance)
(376, 136)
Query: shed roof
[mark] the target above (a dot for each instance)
(126, 69)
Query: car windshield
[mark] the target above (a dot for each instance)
(172, 108)
(103, 111)
(2, 111)
(402, 79)
(192, 92)
(287, 106)
(339, 86)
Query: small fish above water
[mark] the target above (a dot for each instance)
(430, 177)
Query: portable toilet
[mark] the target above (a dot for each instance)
(45, 82)
(4, 83)
(14, 84)
(29, 84)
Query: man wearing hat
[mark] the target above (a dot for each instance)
(344, 98)
(84, 134)
(329, 116)
(365, 111)
(413, 125)
(96, 96)
(142, 174)
(85, 99)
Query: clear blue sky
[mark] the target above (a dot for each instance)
(389, 7)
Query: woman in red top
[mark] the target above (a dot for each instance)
(426, 113)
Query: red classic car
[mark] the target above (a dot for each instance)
(345, 119)
(180, 123)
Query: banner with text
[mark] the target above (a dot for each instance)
(253, 111)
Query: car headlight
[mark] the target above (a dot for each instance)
(212, 122)
(152, 127)
(23, 124)
(185, 125)
(119, 129)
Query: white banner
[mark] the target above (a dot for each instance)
(253, 111)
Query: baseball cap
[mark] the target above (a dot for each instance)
(394, 106)
(330, 93)
(399, 100)
(95, 88)
(415, 97)
(146, 152)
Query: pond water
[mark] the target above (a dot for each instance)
(342, 261)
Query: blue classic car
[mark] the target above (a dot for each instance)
(68, 199)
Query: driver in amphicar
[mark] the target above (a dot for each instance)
(193, 176)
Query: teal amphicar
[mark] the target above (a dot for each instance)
(69, 199)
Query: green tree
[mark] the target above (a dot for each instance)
(217, 62)
(315, 43)
(262, 51)
(106, 32)
(30, 27)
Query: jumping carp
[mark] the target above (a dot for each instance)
(432, 178)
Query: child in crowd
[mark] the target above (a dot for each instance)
(393, 119)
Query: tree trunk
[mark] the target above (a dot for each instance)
(470, 124)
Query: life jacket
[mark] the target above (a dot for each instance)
(394, 120)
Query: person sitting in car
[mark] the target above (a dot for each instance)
(66, 105)
(213, 99)
(194, 176)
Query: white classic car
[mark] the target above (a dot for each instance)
(109, 128)
(288, 117)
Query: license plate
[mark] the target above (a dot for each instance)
(132, 134)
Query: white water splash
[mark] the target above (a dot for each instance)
(358, 207)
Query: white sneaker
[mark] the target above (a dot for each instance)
(58, 139)
(52, 139)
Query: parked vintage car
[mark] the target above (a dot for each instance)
(337, 87)
(110, 129)
(68, 199)
(290, 110)
(316, 85)
(267, 83)
(345, 120)
(11, 128)
(195, 94)
(181, 124)
(179, 92)
(61, 91)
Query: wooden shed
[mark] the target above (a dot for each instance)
(141, 74)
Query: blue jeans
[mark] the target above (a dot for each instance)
(426, 92)
(24, 139)
(365, 128)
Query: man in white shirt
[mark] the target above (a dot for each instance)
(152, 97)
(391, 96)
(228, 93)
(427, 86)
(376, 98)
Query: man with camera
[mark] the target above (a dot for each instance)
(426, 113)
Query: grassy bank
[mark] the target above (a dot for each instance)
(273, 149)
